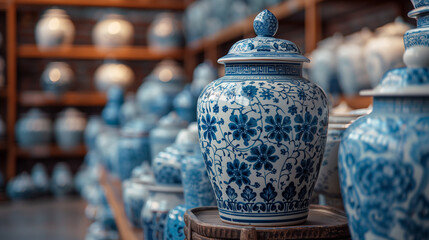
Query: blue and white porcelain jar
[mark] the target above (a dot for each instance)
(34, 129)
(165, 133)
(204, 74)
(69, 128)
(165, 33)
(185, 104)
(40, 179)
(57, 77)
(154, 214)
(133, 146)
(93, 128)
(262, 131)
(62, 180)
(383, 160)
(135, 194)
(416, 40)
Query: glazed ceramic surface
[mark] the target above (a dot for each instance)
(203, 74)
(111, 111)
(262, 131)
(113, 31)
(165, 33)
(20, 187)
(165, 133)
(129, 110)
(92, 129)
(54, 29)
(384, 172)
(57, 77)
(40, 178)
(417, 40)
(133, 146)
(69, 128)
(385, 50)
(185, 105)
(135, 194)
(34, 129)
(113, 74)
(175, 224)
(62, 180)
(154, 214)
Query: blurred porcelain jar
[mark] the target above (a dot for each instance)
(128, 110)
(57, 77)
(113, 74)
(69, 128)
(162, 198)
(62, 180)
(113, 30)
(156, 94)
(54, 29)
(385, 50)
(20, 187)
(165, 133)
(203, 74)
(40, 179)
(165, 33)
(185, 105)
(92, 129)
(135, 194)
(323, 66)
(34, 129)
(416, 40)
(352, 73)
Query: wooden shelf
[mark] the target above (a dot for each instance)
(50, 151)
(245, 26)
(143, 4)
(92, 52)
(356, 102)
(113, 190)
(82, 99)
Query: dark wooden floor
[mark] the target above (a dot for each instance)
(43, 219)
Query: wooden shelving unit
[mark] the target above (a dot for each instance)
(113, 190)
(142, 4)
(50, 151)
(92, 52)
(77, 99)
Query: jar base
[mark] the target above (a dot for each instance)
(265, 221)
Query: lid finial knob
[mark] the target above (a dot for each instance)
(265, 24)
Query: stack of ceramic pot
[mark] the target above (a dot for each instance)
(262, 130)
(383, 157)
(196, 186)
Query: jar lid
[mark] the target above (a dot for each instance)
(419, 11)
(402, 82)
(264, 47)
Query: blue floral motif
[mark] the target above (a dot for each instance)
(304, 171)
(386, 179)
(262, 156)
(302, 192)
(289, 192)
(306, 128)
(248, 194)
(242, 127)
(209, 127)
(268, 193)
(217, 191)
(266, 94)
(216, 108)
(225, 109)
(414, 231)
(238, 173)
(278, 127)
(249, 91)
(301, 94)
(292, 110)
(230, 192)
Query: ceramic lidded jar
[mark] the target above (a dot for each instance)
(262, 131)
(383, 159)
(165, 133)
(416, 40)
(113, 30)
(113, 74)
(54, 29)
(162, 198)
(34, 129)
(57, 77)
(69, 128)
(385, 50)
(165, 33)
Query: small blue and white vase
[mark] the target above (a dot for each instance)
(135, 194)
(416, 40)
(62, 180)
(165, 33)
(203, 74)
(40, 179)
(92, 129)
(129, 110)
(185, 105)
(133, 146)
(165, 133)
(69, 128)
(162, 199)
(262, 131)
(175, 223)
(34, 129)
(383, 160)
(57, 78)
